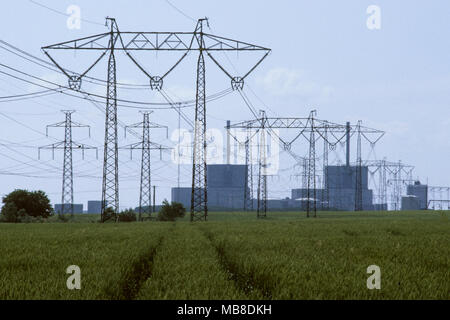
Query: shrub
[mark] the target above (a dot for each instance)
(170, 212)
(127, 216)
(10, 214)
(108, 213)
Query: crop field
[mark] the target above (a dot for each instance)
(232, 256)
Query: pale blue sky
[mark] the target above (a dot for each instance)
(323, 57)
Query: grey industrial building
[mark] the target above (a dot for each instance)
(416, 197)
(340, 182)
(410, 203)
(77, 208)
(94, 206)
(226, 188)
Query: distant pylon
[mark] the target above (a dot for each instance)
(325, 185)
(145, 189)
(262, 172)
(67, 184)
(312, 170)
(146, 183)
(248, 192)
(67, 145)
(358, 184)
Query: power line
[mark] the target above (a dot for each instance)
(180, 11)
(63, 13)
(62, 89)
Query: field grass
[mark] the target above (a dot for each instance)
(232, 256)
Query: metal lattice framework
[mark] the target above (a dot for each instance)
(67, 145)
(248, 192)
(392, 177)
(199, 192)
(438, 198)
(185, 42)
(311, 197)
(110, 189)
(358, 191)
(262, 170)
(146, 145)
(311, 129)
(325, 186)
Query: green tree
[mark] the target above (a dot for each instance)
(31, 203)
(9, 213)
(170, 212)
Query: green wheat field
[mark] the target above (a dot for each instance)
(232, 256)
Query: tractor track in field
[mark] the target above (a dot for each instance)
(139, 272)
(247, 282)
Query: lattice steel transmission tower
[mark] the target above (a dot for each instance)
(67, 145)
(248, 192)
(325, 184)
(390, 175)
(305, 178)
(358, 182)
(262, 170)
(184, 42)
(312, 126)
(199, 193)
(146, 145)
(110, 189)
(312, 169)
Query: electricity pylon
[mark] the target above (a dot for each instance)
(248, 192)
(67, 145)
(262, 170)
(145, 204)
(185, 42)
(325, 175)
(358, 184)
(311, 193)
(312, 129)
(389, 174)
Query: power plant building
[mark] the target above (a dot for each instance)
(421, 192)
(77, 208)
(226, 188)
(340, 182)
(94, 206)
(410, 203)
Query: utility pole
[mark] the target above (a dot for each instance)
(67, 145)
(145, 204)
